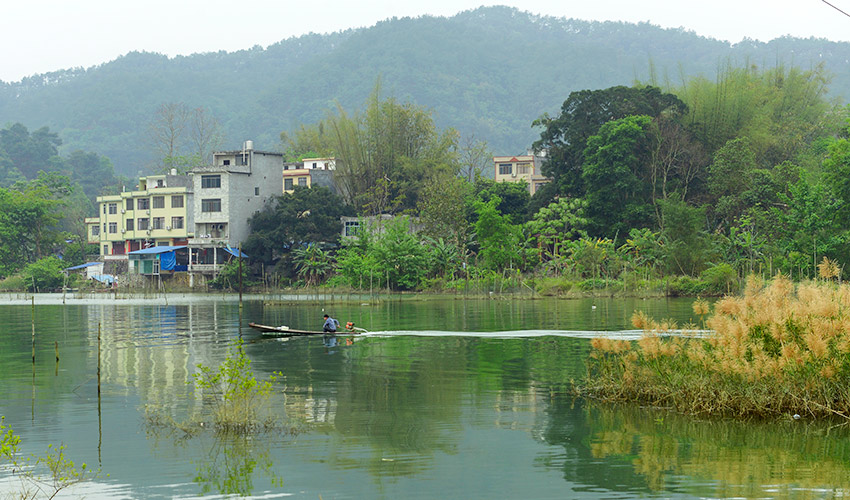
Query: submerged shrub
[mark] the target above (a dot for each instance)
(777, 348)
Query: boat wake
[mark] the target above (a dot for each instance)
(582, 334)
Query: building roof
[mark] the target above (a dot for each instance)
(155, 250)
(82, 266)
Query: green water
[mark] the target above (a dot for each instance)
(446, 399)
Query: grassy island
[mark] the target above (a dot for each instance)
(779, 349)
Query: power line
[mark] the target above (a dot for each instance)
(836, 8)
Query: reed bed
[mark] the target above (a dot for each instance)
(779, 349)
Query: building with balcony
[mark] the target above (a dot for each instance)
(227, 194)
(520, 168)
(156, 213)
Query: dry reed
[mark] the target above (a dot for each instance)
(778, 348)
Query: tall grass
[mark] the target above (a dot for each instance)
(780, 348)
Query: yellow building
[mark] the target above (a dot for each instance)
(520, 168)
(157, 213)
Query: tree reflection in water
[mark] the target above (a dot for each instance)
(742, 459)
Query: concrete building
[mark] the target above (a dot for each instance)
(156, 213)
(228, 193)
(520, 168)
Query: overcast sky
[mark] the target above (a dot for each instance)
(39, 36)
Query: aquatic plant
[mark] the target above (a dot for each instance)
(778, 348)
(237, 399)
(61, 473)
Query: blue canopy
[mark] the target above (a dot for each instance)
(235, 252)
(82, 266)
(155, 250)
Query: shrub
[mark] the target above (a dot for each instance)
(13, 283)
(776, 349)
(44, 274)
(719, 279)
(686, 286)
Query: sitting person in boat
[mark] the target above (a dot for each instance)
(330, 325)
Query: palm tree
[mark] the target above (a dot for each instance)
(312, 263)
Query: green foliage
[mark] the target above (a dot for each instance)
(565, 137)
(687, 243)
(28, 225)
(228, 276)
(400, 256)
(13, 283)
(45, 274)
(720, 278)
(560, 221)
(294, 220)
(312, 263)
(60, 472)
(498, 239)
(238, 402)
(616, 193)
(513, 197)
(442, 208)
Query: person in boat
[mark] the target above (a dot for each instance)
(330, 325)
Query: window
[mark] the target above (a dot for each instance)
(225, 162)
(210, 181)
(160, 183)
(177, 201)
(256, 191)
(144, 204)
(505, 168)
(104, 228)
(113, 208)
(143, 224)
(105, 249)
(104, 209)
(128, 224)
(113, 227)
(314, 164)
(95, 230)
(523, 168)
(129, 202)
(158, 223)
(302, 181)
(177, 222)
(211, 205)
(287, 184)
(352, 227)
(159, 202)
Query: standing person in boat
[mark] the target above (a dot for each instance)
(330, 325)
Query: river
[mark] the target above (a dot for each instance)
(444, 398)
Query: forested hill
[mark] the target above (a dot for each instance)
(488, 72)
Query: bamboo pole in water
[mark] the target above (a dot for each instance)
(33, 329)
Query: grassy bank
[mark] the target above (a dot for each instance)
(780, 348)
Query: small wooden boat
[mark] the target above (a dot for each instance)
(285, 331)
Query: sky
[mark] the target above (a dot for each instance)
(40, 36)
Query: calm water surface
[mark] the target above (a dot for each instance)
(445, 399)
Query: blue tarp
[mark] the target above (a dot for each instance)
(235, 252)
(155, 250)
(82, 266)
(104, 278)
(167, 261)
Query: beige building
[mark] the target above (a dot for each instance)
(520, 168)
(157, 213)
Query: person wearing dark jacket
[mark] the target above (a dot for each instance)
(330, 325)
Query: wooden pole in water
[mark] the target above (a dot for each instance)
(98, 364)
(239, 248)
(56, 349)
(33, 328)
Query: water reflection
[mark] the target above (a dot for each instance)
(653, 451)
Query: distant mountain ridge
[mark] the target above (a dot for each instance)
(489, 72)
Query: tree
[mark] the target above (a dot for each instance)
(28, 152)
(312, 263)
(561, 221)
(729, 175)
(400, 255)
(442, 209)
(564, 137)
(29, 217)
(183, 137)
(498, 239)
(614, 176)
(295, 220)
(513, 197)
(475, 157)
